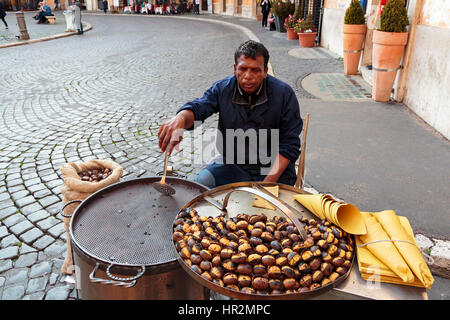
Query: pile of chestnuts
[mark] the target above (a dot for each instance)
(95, 175)
(257, 255)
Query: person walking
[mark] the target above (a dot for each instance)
(56, 5)
(265, 9)
(3, 15)
(197, 7)
(105, 6)
(78, 23)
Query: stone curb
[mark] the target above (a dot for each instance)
(56, 36)
(438, 250)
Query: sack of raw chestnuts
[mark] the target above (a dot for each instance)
(257, 255)
(82, 179)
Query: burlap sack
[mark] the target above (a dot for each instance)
(76, 189)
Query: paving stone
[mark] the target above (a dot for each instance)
(21, 227)
(34, 296)
(8, 241)
(14, 219)
(37, 190)
(25, 201)
(38, 215)
(9, 253)
(55, 249)
(16, 275)
(58, 293)
(31, 235)
(31, 208)
(423, 242)
(53, 278)
(13, 293)
(26, 260)
(440, 253)
(31, 182)
(2, 281)
(3, 232)
(7, 212)
(5, 265)
(49, 200)
(37, 284)
(40, 269)
(57, 230)
(43, 242)
(24, 249)
(20, 195)
(54, 209)
(47, 223)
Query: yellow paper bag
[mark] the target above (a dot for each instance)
(384, 250)
(409, 251)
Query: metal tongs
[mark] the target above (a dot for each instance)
(261, 192)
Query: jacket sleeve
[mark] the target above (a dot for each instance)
(205, 106)
(290, 128)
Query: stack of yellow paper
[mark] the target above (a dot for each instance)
(397, 262)
(261, 203)
(344, 215)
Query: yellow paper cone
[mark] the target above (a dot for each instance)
(385, 250)
(312, 202)
(410, 253)
(349, 219)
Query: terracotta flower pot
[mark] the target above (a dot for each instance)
(354, 35)
(307, 39)
(291, 34)
(387, 52)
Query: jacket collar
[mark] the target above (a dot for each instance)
(242, 98)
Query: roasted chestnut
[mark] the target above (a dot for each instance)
(260, 283)
(248, 290)
(293, 259)
(196, 269)
(341, 270)
(315, 264)
(337, 262)
(267, 236)
(307, 255)
(244, 280)
(205, 243)
(288, 272)
(306, 280)
(245, 247)
(232, 287)
(256, 232)
(326, 268)
(259, 269)
(314, 286)
(242, 224)
(216, 261)
(290, 283)
(281, 261)
(217, 272)
(214, 248)
(304, 268)
(230, 278)
(334, 276)
(261, 249)
(205, 265)
(276, 284)
(317, 276)
(274, 272)
(226, 253)
(276, 245)
(185, 253)
(207, 276)
(244, 268)
(268, 260)
(229, 265)
(196, 259)
(239, 257)
(254, 258)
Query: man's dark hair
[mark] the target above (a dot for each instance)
(252, 49)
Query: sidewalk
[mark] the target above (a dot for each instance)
(37, 32)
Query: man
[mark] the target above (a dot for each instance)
(249, 101)
(197, 6)
(78, 24)
(45, 11)
(265, 9)
(3, 15)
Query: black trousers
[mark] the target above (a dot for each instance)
(4, 21)
(264, 19)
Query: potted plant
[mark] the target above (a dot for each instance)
(389, 41)
(281, 10)
(291, 23)
(306, 32)
(354, 35)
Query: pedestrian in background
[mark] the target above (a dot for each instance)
(3, 15)
(197, 7)
(265, 9)
(105, 6)
(78, 23)
(56, 5)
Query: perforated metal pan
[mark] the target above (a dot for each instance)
(240, 201)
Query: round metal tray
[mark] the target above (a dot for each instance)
(241, 202)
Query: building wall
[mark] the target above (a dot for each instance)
(428, 74)
(428, 81)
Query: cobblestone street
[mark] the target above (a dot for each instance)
(103, 95)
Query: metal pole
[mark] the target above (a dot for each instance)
(22, 26)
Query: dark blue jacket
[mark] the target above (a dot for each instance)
(277, 109)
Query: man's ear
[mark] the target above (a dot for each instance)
(266, 70)
(234, 69)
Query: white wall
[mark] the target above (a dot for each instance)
(428, 83)
(332, 28)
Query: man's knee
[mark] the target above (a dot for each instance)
(206, 178)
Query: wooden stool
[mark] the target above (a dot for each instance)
(50, 19)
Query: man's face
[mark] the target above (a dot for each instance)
(250, 73)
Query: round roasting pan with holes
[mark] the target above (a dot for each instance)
(122, 247)
(237, 198)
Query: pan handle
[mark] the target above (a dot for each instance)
(65, 205)
(124, 282)
(287, 212)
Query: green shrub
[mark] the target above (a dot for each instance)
(394, 17)
(282, 9)
(298, 14)
(354, 13)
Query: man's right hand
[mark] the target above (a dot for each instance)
(171, 132)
